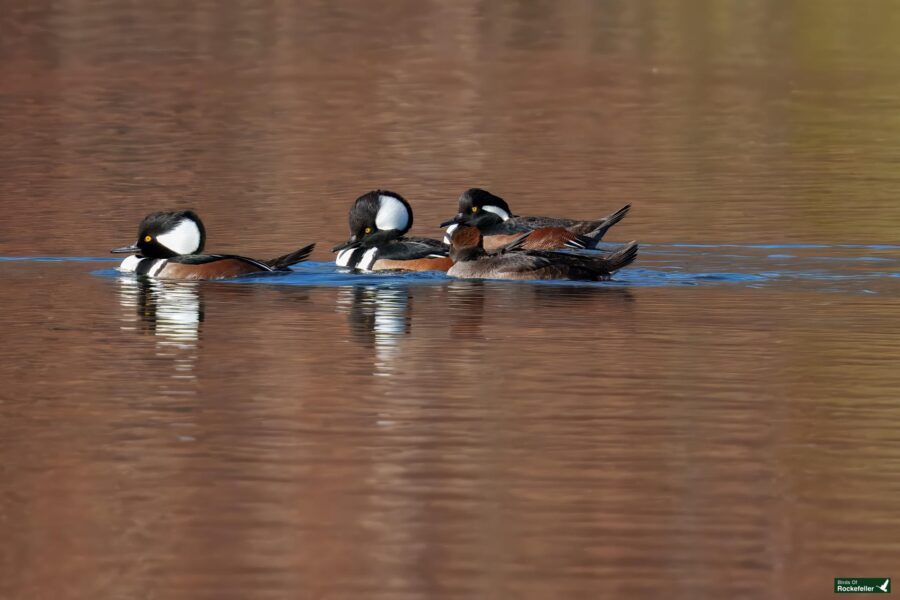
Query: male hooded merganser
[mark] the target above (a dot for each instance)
(379, 221)
(169, 246)
(471, 261)
(491, 214)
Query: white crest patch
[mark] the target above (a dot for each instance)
(368, 259)
(129, 265)
(497, 211)
(344, 257)
(184, 238)
(449, 233)
(392, 214)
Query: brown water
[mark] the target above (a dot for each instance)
(722, 421)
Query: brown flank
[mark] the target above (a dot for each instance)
(441, 263)
(218, 269)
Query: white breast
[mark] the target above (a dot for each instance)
(129, 265)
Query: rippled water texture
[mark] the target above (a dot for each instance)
(720, 421)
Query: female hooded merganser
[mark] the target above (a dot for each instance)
(492, 216)
(471, 261)
(378, 222)
(169, 246)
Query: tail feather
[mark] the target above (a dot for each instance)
(297, 256)
(597, 234)
(622, 258)
(581, 242)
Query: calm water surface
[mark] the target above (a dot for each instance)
(723, 420)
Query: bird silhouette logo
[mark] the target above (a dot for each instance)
(886, 586)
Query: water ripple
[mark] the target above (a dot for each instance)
(839, 268)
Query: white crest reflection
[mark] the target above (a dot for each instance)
(379, 317)
(172, 311)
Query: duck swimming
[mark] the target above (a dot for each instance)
(169, 245)
(379, 221)
(472, 261)
(493, 217)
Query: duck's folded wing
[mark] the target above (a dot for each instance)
(515, 244)
(521, 225)
(412, 249)
(594, 263)
(202, 259)
(519, 262)
(436, 245)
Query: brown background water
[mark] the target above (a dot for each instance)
(420, 438)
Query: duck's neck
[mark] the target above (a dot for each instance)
(467, 254)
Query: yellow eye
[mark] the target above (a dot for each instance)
(148, 238)
(368, 230)
(474, 209)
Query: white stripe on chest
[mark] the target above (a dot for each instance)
(345, 258)
(368, 260)
(449, 233)
(130, 265)
(155, 269)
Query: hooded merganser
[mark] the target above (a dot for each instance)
(471, 261)
(379, 221)
(492, 215)
(169, 246)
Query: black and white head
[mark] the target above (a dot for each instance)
(375, 218)
(478, 208)
(168, 234)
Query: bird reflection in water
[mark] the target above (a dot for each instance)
(172, 311)
(379, 317)
(468, 301)
(465, 308)
(558, 297)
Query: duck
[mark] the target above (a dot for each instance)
(379, 221)
(169, 244)
(499, 226)
(472, 261)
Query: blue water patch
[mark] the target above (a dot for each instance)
(853, 258)
(842, 268)
(81, 259)
(783, 246)
(327, 274)
(761, 246)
